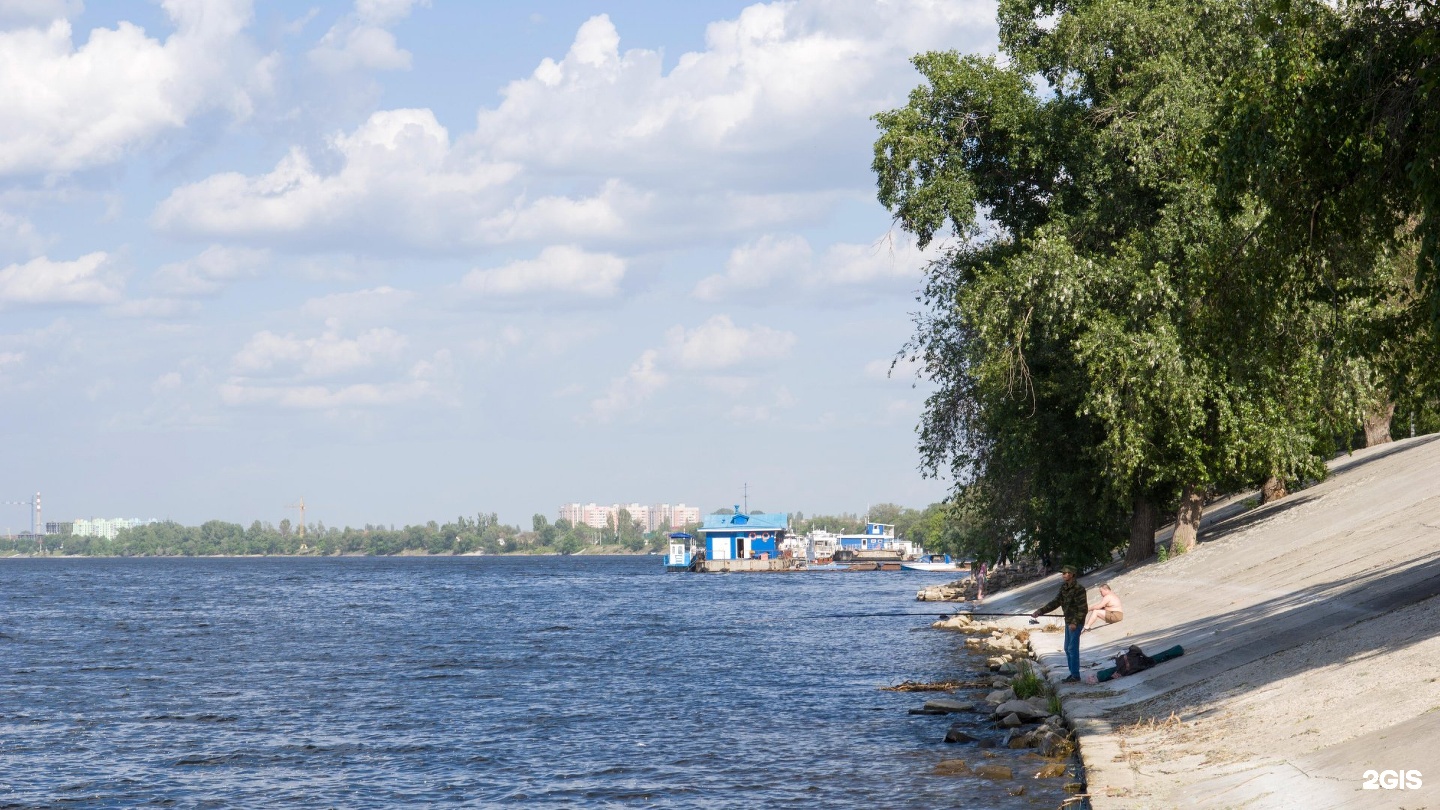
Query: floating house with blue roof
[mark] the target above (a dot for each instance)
(741, 542)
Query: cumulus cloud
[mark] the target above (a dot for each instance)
(19, 13)
(65, 108)
(783, 87)
(787, 263)
(563, 270)
(717, 346)
(333, 371)
(639, 383)
(326, 356)
(88, 280)
(209, 272)
(398, 178)
(603, 146)
(361, 40)
(361, 306)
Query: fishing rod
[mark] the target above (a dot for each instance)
(941, 615)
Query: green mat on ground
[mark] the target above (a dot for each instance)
(1159, 658)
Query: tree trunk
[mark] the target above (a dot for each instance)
(1187, 520)
(1377, 424)
(1144, 519)
(1273, 490)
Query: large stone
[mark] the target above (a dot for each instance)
(1027, 711)
(1011, 720)
(953, 767)
(947, 705)
(999, 696)
(1053, 770)
(1021, 741)
(956, 734)
(992, 771)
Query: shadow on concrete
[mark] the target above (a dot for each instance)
(1344, 464)
(1236, 638)
(1225, 524)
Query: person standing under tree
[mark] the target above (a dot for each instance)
(1073, 604)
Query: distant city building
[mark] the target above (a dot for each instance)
(650, 517)
(58, 527)
(104, 527)
(674, 517)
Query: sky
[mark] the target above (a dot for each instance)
(416, 259)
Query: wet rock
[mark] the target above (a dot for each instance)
(1011, 720)
(948, 706)
(1024, 708)
(992, 771)
(1021, 741)
(986, 743)
(956, 734)
(1018, 790)
(953, 767)
(1000, 696)
(1053, 770)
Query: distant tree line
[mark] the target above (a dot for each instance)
(483, 533)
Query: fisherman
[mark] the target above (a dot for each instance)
(1109, 610)
(1072, 603)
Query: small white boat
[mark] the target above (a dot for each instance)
(934, 563)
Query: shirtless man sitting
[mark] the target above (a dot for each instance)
(1107, 610)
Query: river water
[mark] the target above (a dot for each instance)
(475, 681)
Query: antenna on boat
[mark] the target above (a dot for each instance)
(745, 496)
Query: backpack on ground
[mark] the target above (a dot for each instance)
(1132, 661)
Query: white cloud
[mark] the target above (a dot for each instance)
(422, 381)
(562, 270)
(361, 306)
(719, 345)
(843, 271)
(604, 147)
(361, 41)
(640, 383)
(19, 236)
(153, 308)
(781, 77)
(398, 180)
(87, 280)
(333, 372)
(326, 356)
(211, 271)
(716, 346)
(16, 13)
(64, 108)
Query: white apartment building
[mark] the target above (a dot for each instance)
(651, 517)
(674, 517)
(104, 527)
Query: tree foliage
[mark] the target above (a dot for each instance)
(1120, 320)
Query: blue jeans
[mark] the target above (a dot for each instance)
(1072, 649)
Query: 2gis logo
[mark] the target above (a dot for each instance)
(1391, 780)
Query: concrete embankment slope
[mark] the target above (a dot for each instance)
(1312, 651)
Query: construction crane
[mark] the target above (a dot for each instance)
(36, 527)
(301, 507)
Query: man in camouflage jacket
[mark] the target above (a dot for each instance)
(1072, 602)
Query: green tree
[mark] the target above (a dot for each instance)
(1093, 336)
